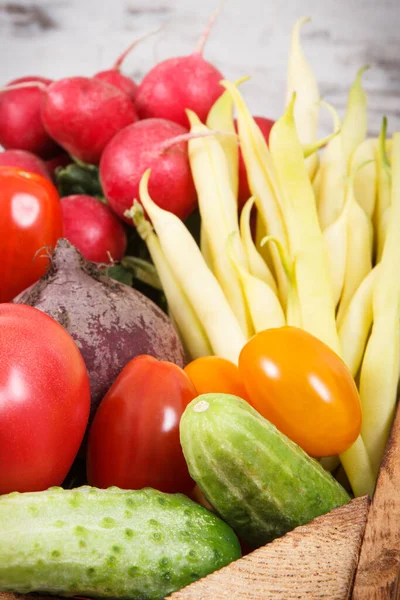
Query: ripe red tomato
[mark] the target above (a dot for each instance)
(299, 384)
(44, 400)
(215, 374)
(134, 437)
(30, 223)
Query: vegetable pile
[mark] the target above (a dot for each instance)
(198, 306)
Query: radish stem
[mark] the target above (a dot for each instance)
(117, 65)
(206, 34)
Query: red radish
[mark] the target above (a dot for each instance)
(61, 160)
(24, 160)
(83, 114)
(244, 192)
(21, 124)
(114, 77)
(118, 80)
(148, 144)
(179, 83)
(93, 228)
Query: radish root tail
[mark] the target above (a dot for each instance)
(186, 137)
(28, 84)
(117, 65)
(206, 34)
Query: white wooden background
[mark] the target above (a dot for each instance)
(57, 38)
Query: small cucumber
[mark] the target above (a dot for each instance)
(108, 543)
(256, 479)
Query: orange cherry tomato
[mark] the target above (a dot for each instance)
(214, 374)
(299, 384)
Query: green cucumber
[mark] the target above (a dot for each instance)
(108, 543)
(256, 479)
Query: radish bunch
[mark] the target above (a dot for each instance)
(110, 121)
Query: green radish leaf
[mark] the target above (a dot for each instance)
(121, 274)
(142, 270)
(75, 179)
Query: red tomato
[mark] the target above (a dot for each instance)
(44, 400)
(299, 384)
(30, 223)
(214, 374)
(134, 438)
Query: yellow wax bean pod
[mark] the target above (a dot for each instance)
(355, 325)
(381, 364)
(205, 248)
(307, 148)
(359, 254)
(355, 125)
(383, 232)
(221, 117)
(262, 179)
(311, 148)
(189, 326)
(384, 190)
(316, 183)
(215, 161)
(357, 466)
(336, 156)
(302, 80)
(261, 232)
(331, 183)
(293, 311)
(335, 237)
(388, 147)
(365, 180)
(257, 265)
(330, 463)
(218, 214)
(264, 307)
(306, 241)
(192, 274)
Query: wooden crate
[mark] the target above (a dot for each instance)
(353, 552)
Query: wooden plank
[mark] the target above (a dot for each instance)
(314, 561)
(378, 573)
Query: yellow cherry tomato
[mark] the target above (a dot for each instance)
(299, 384)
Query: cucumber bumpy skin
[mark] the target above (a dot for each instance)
(255, 478)
(108, 543)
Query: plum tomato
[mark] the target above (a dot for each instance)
(134, 438)
(299, 384)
